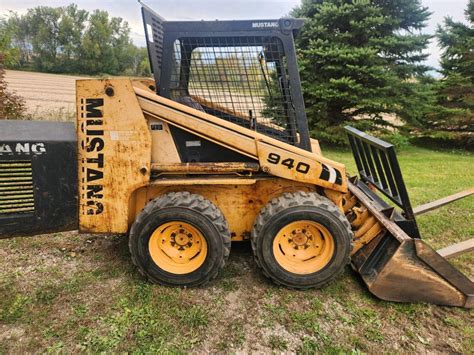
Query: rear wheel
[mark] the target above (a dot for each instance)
(180, 239)
(301, 240)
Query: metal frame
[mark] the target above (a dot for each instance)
(433, 205)
(378, 165)
(164, 33)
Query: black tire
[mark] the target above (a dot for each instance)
(188, 208)
(293, 207)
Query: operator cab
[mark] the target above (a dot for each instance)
(244, 72)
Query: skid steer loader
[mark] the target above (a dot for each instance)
(214, 150)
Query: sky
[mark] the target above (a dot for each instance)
(224, 10)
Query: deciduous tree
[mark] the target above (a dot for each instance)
(72, 40)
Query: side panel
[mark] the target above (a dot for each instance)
(240, 204)
(164, 152)
(114, 145)
(38, 178)
(192, 148)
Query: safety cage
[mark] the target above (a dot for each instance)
(244, 72)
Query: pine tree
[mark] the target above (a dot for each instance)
(361, 58)
(456, 89)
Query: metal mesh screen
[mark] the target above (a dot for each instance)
(240, 79)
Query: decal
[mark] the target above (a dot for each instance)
(331, 175)
(92, 147)
(124, 136)
(265, 24)
(156, 126)
(328, 173)
(149, 32)
(114, 135)
(22, 149)
(290, 163)
(193, 144)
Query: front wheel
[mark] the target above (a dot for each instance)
(180, 239)
(301, 240)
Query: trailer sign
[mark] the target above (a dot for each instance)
(22, 149)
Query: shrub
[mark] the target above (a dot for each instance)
(11, 105)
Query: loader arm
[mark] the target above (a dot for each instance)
(275, 157)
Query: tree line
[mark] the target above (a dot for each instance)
(360, 62)
(70, 40)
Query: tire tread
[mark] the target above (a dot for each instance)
(185, 200)
(283, 202)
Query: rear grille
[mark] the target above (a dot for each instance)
(16, 187)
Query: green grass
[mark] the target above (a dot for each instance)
(277, 343)
(148, 320)
(79, 293)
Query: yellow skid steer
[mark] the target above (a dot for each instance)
(216, 150)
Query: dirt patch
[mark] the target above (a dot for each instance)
(80, 293)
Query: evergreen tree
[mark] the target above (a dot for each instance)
(362, 58)
(456, 89)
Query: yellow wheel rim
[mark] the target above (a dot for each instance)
(303, 247)
(178, 247)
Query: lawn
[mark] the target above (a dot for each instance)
(69, 292)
